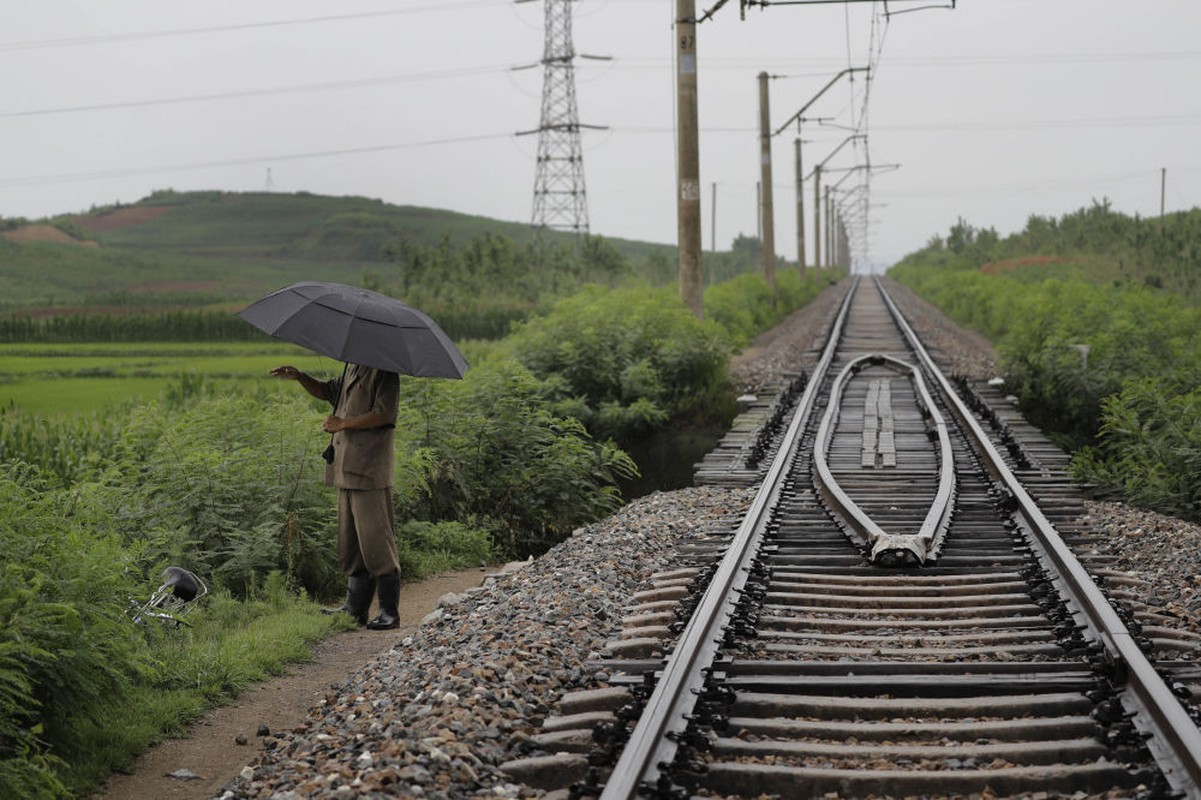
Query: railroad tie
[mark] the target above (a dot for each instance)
(879, 445)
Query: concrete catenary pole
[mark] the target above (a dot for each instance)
(800, 212)
(817, 216)
(1163, 195)
(768, 244)
(829, 262)
(713, 233)
(688, 198)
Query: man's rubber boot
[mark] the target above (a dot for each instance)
(360, 588)
(388, 590)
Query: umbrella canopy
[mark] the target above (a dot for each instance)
(357, 326)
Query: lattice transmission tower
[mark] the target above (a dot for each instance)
(560, 201)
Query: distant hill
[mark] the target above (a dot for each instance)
(222, 248)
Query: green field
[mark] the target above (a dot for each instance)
(55, 380)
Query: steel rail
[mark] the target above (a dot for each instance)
(653, 742)
(1175, 740)
(860, 527)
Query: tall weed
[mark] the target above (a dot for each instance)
(67, 650)
(493, 453)
(231, 488)
(1150, 448)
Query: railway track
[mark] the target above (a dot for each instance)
(897, 615)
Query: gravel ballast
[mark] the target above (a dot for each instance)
(437, 715)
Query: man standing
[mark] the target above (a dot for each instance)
(365, 402)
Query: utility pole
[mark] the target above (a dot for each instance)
(843, 250)
(713, 217)
(798, 117)
(829, 227)
(768, 243)
(1163, 191)
(817, 200)
(560, 201)
(713, 233)
(800, 212)
(759, 214)
(688, 197)
(817, 217)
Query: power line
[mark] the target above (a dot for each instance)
(1045, 124)
(385, 80)
(72, 177)
(111, 38)
(1006, 125)
(822, 65)
(1026, 186)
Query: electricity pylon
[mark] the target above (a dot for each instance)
(560, 201)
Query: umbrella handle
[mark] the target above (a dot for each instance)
(341, 389)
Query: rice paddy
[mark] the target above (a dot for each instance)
(56, 380)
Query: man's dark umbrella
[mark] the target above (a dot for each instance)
(357, 326)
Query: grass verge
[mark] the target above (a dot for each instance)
(229, 645)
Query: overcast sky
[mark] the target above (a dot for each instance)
(994, 111)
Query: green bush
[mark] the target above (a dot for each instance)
(744, 307)
(1150, 448)
(82, 688)
(67, 650)
(491, 452)
(231, 487)
(1098, 357)
(628, 361)
(427, 548)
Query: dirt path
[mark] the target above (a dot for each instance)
(211, 751)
